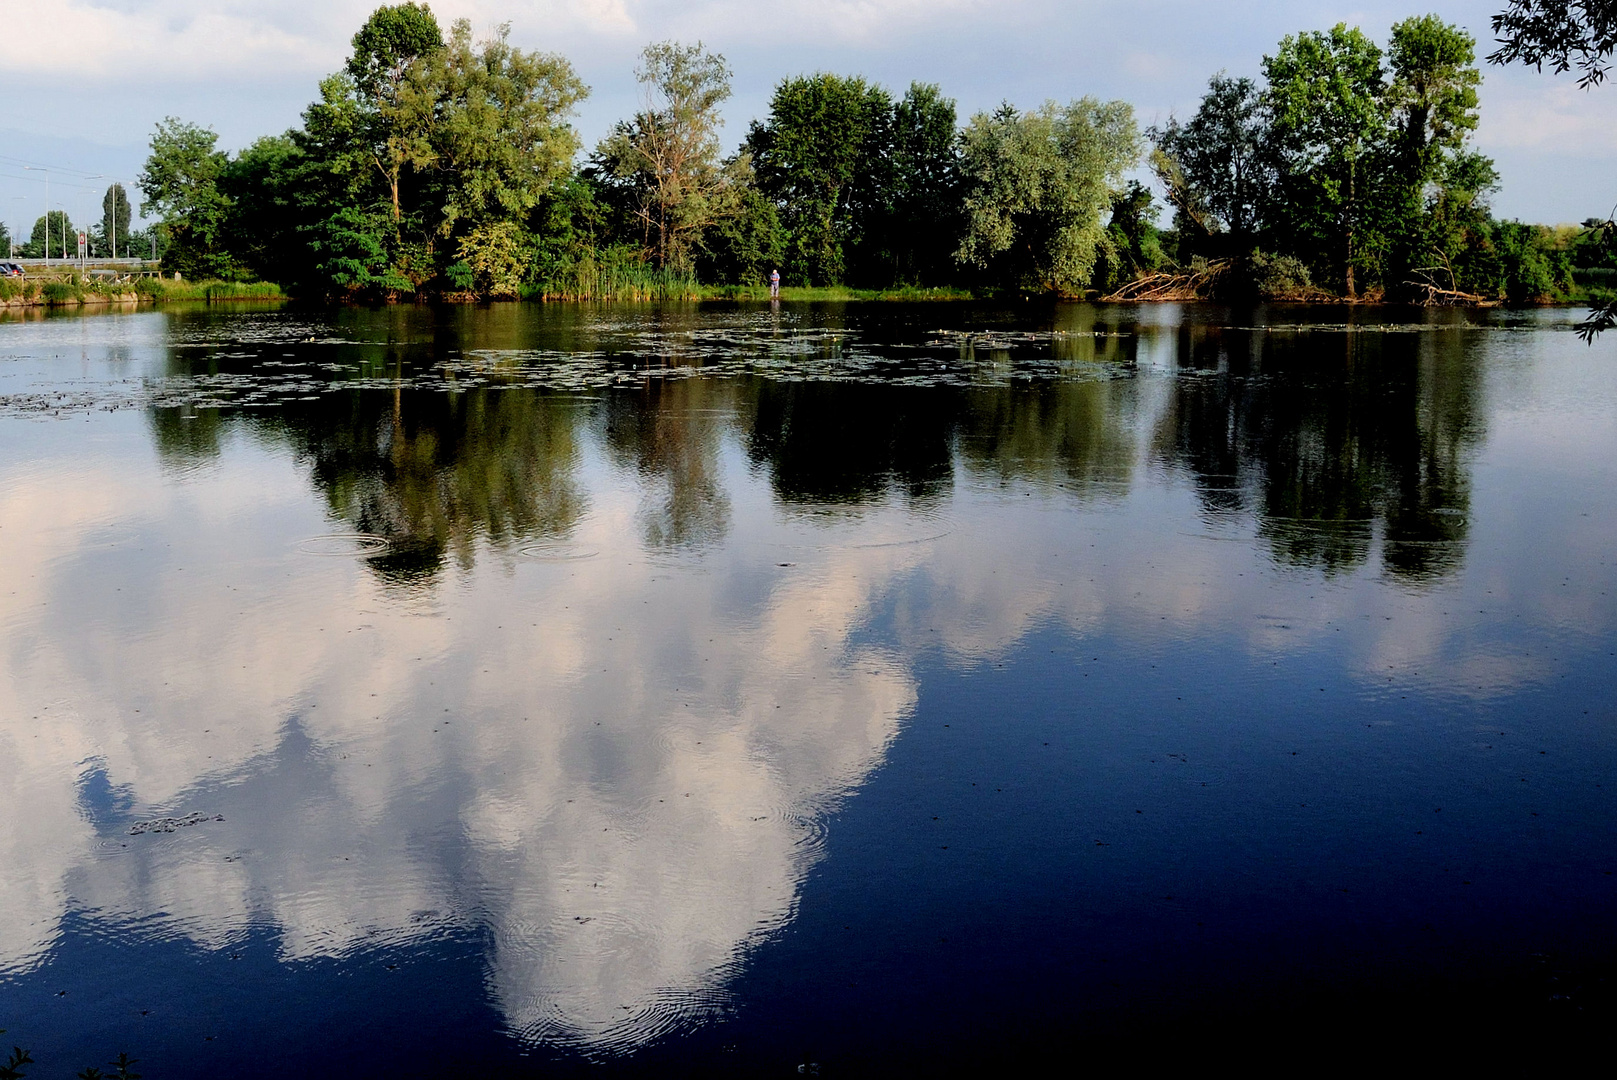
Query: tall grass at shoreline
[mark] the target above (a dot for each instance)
(589, 279)
(72, 290)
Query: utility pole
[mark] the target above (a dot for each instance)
(47, 173)
(16, 198)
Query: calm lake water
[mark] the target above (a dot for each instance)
(732, 689)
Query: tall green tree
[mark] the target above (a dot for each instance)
(264, 232)
(388, 69)
(668, 156)
(1329, 115)
(1038, 185)
(1432, 96)
(181, 185)
(422, 162)
(503, 137)
(115, 219)
(745, 246)
(53, 236)
(1214, 165)
(825, 134)
(917, 222)
(345, 219)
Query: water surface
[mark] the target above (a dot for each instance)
(730, 688)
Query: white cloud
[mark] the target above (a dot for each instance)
(1546, 113)
(247, 69)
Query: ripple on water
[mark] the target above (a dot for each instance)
(926, 537)
(348, 544)
(556, 551)
(908, 531)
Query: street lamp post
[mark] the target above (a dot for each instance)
(16, 198)
(47, 173)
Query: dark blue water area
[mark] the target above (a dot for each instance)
(956, 826)
(1146, 851)
(186, 1011)
(1171, 837)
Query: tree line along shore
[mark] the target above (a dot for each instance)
(442, 166)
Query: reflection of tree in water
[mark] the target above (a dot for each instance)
(430, 471)
(187, 437)
(844, 443)
(445, 469)
(670, 433)
(1325, 434)
(1334, 440)
(1076, 431)
(839, 443)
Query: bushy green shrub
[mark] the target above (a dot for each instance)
(1534, 267)
(1279, 277)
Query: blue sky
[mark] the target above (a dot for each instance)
(85, 80)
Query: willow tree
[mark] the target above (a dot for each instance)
(1037, 185)
(504, 134)
(668, 155)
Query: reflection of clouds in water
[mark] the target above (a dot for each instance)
(616, 763)
(636, 751)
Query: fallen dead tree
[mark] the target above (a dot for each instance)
(1428, 294)
(1164, 285)
(1425, 288)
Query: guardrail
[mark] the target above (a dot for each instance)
(81, 265)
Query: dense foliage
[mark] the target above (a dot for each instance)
(440, 165)
(1569, 34)
(1354, 162)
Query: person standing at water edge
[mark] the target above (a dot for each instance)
(774, 284)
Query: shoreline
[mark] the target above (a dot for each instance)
(28, 294)
(18, 296)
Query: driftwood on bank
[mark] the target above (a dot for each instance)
(1207, 281)
(1169, 285)
(1427, 294)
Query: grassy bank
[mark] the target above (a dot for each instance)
(75, 291)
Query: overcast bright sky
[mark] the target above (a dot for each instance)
(85, 80)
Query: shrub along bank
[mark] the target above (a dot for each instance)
(77, 291)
